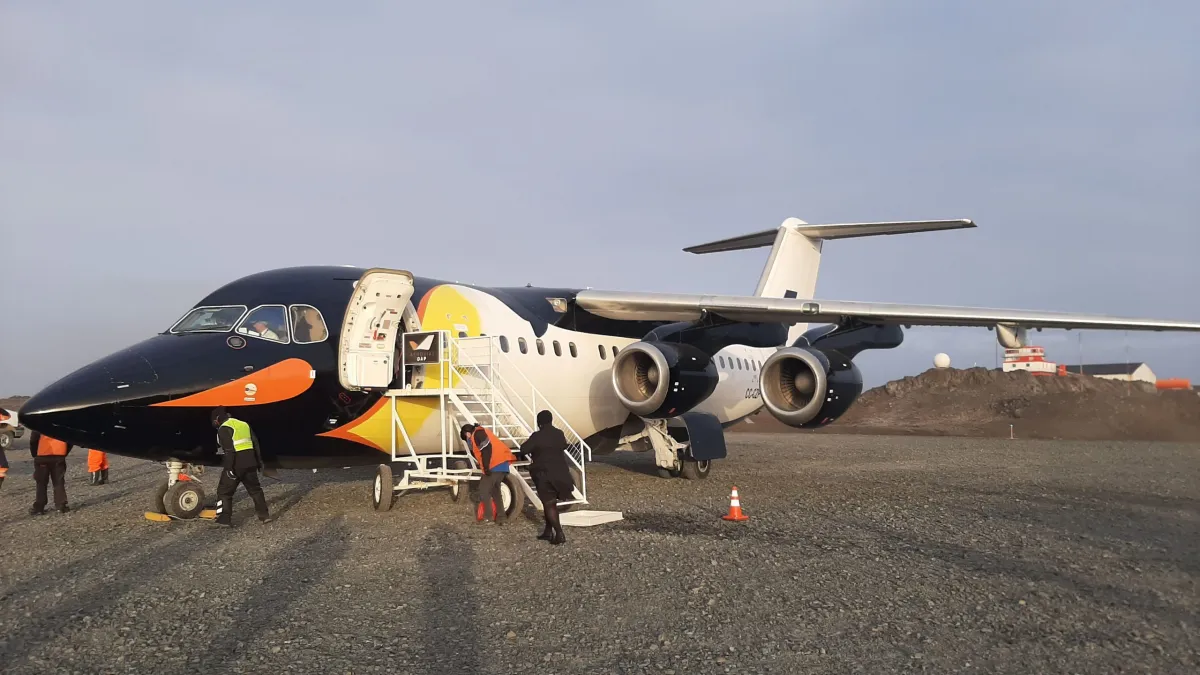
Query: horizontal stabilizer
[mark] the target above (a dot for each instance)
(828, 231)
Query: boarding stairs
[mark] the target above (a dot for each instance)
(474, 382)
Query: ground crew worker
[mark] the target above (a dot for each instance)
(494, 458)
(551, 476)
(242, 461)
(97, 467)
(49, 465)
(3, 457)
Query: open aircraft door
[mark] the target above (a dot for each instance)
(374, 318)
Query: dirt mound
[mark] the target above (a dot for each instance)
(982, 402)
(13, 402)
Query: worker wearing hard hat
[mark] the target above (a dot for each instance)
(3, 466)
(494, 459)
(241, 464)
(97, 467)
(49, 465)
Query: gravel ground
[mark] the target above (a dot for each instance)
(863, 554)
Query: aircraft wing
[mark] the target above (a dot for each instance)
(634, 306)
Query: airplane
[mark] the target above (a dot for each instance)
(307, 355)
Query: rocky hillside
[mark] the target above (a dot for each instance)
(982, 402)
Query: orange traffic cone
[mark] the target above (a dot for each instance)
(735, 508)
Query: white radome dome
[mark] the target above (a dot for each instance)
(941, 361)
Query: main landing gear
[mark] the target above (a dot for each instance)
(672, 456)
(181, 494)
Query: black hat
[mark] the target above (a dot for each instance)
(218, 414)
(545, 418)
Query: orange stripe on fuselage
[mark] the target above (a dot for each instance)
(275, 383)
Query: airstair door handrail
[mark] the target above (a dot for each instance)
(534, 396)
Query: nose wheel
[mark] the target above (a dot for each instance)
(181, 495)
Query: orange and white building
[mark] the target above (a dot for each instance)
(1030, 359)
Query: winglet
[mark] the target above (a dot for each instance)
(829, 231)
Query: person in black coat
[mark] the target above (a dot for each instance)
(551, 475)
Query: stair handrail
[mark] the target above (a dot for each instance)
(496, 378)
(533, 392)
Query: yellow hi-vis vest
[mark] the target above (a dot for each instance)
(241, 434)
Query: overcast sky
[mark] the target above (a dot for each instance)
(152, 151)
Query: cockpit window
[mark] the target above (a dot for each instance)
(210, 320)
(268, 322)
(307, 324)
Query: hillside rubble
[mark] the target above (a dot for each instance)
(983, 403)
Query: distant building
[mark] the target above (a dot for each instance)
(1136, 372)
(1029, 359)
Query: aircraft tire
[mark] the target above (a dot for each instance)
(666, 473)
(516, 499)
(156, 500)
(693, 470)
(383, 496)
(6, 439)
(184, 499)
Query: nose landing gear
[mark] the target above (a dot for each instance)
(181, 495)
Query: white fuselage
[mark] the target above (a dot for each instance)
(573, 370)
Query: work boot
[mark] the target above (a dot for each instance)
(64, 509)
(104, 476)
(94, 478)
(1, 481)
(35, 511)
(547, 534)
(559, 538)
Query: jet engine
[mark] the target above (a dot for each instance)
(809, 387)
(663, 379)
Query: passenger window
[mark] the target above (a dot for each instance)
(614, 351)
(267, 322)
(739, 363)
(557, 348)
(523, 345)
(503, 344)
(603, 354)
(574, 353)
(308, 325)
(541, 347)
(721, 360)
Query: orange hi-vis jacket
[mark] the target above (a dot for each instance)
(51, 447)
(97, 461)
(500, 451)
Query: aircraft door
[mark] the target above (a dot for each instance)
(374, 318)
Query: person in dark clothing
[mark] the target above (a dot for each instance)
(495, 460)
(49, 465)
(241, 463)
(551, 475)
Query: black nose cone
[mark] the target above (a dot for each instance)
(81, 407)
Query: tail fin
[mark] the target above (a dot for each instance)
(791, 270)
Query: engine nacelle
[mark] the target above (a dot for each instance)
(807, 387)
(662, 379)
